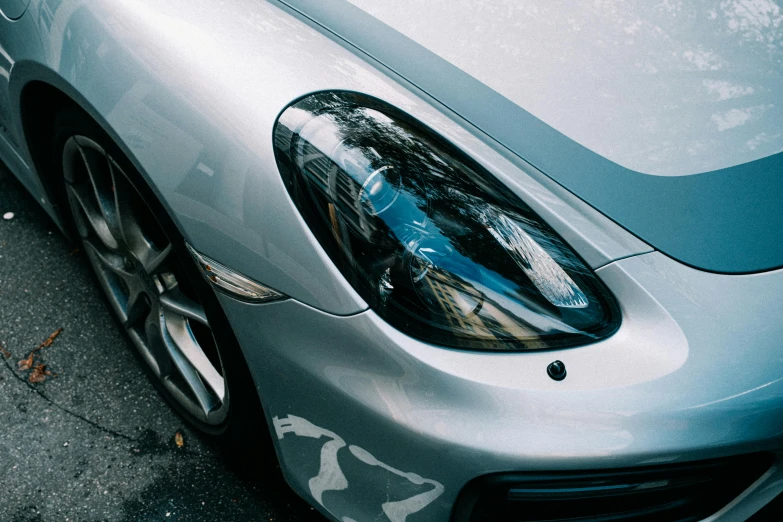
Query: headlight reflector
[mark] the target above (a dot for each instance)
(436, 245)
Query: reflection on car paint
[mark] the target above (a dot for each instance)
(331, 477)
(698, 69)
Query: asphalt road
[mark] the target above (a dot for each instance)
(94, 441)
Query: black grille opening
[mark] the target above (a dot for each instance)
(668, 493)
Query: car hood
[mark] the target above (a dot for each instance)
(666, 117)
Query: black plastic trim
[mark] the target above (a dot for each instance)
(667, 493)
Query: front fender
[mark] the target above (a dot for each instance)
(184, 103)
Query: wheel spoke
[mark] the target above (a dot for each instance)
(156, 259)
(192, 355)
(97, 168)
(92, 215)
(114, 262)
(175, 301)
(128, 222)
(154, 345)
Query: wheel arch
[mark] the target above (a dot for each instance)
(69, 120)
(38, 93)
(39, 102)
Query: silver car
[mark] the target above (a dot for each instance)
(469, 261)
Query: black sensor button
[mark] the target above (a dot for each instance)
(556, 370)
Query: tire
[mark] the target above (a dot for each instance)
(239, 427)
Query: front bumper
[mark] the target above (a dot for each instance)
(373, 425)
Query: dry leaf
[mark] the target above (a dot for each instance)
(39, 374)
(178, 440)
(5, 353)
(26, 364)
(50, 340)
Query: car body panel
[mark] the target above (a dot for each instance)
(191, 92)
(683, 379)
(16, 39)
(726, 220)
(628, 80)
(13, 9)
(204, 140)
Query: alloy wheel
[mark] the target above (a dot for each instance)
(146, 286)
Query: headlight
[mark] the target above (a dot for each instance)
(435, 244)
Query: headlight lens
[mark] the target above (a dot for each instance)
(435, 244)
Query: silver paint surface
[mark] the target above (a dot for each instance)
(190, 90)
(680, 381)
(13, 9)
(666, 88)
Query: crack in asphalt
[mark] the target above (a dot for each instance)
(108, 431)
